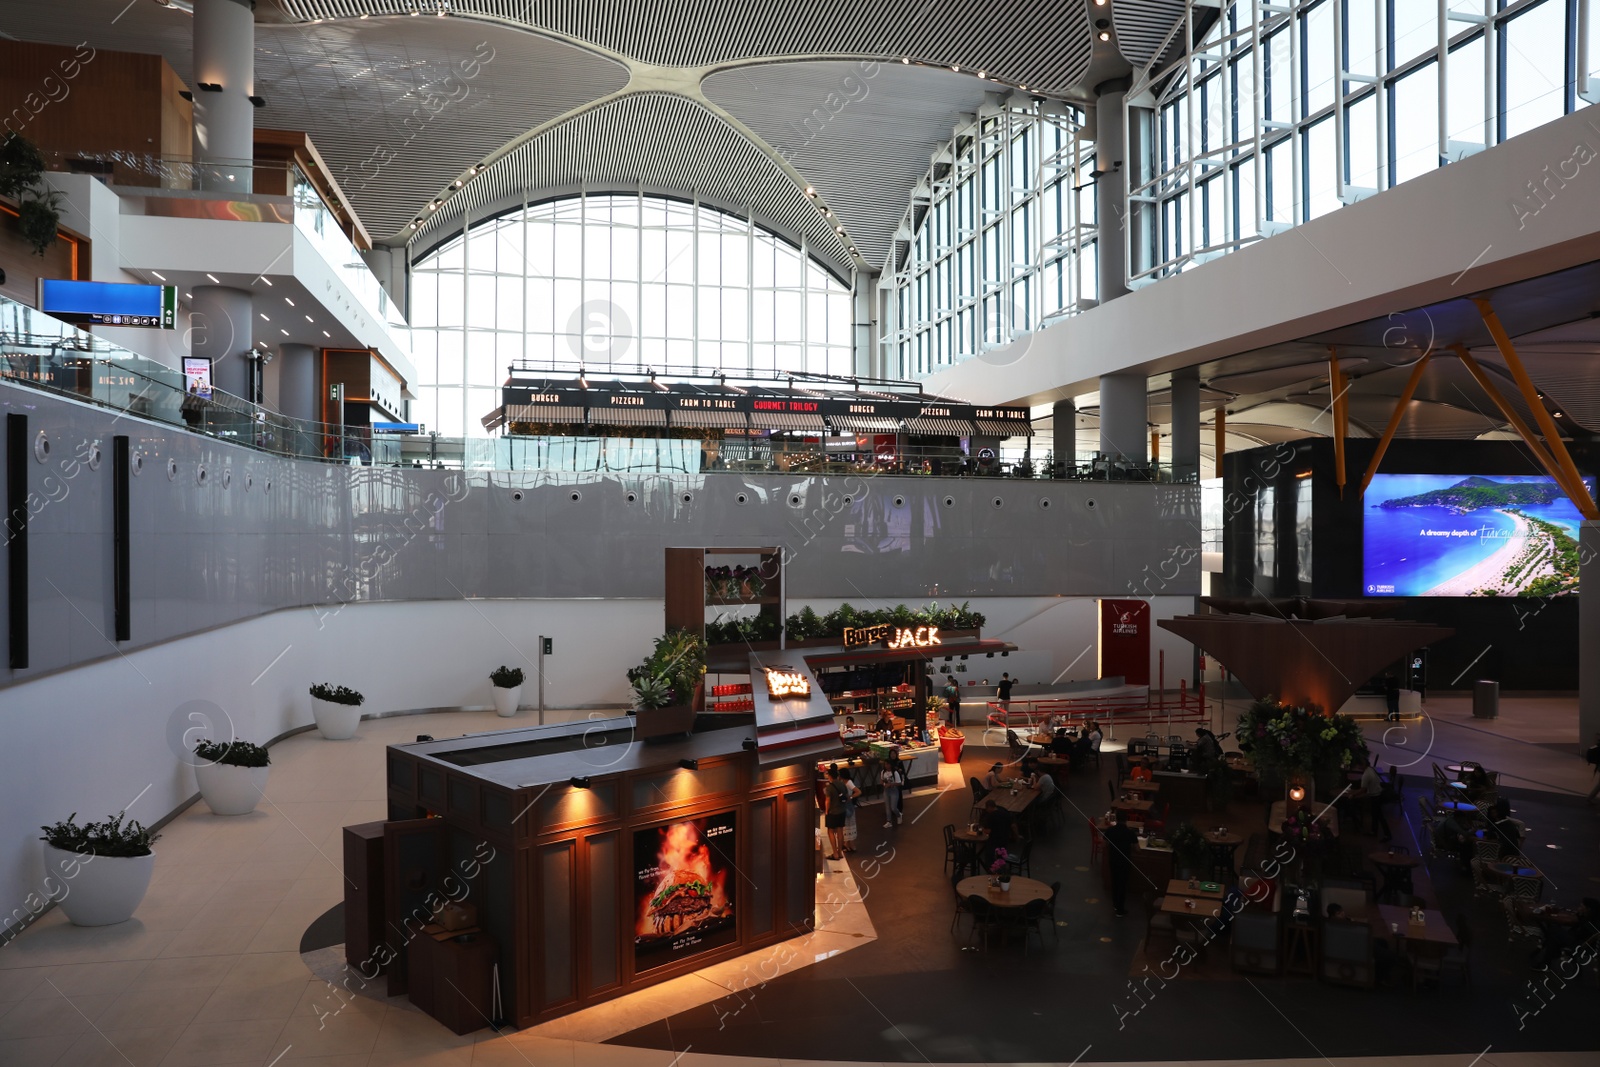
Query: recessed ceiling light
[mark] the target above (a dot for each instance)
(1105, 35)
(157, 274)
(264, 317)
(325, 333)
(311, 320)
(213, 278)
(364, 14)
(983, 74)
(286, 300)
(267, 280)
(839, 228)
(956, 69)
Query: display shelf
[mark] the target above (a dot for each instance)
(740, 600)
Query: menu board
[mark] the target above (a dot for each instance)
(683, 889)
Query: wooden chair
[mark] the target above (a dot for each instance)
(1097, 843)
(985, 919)
(1347, 954)
(1527, 887)
(1481, 883)
(1018, 862)
(961, 904)
(1487, 849)
(1254, 943)
(978, 793)
(949, 846)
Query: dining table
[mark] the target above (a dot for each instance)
(1014, 800)
(968, 841)
(1136, 785)
(1133, 806)
(1023, 891)
(1193, 905)
(1185, 887)
(1396, 868)
(1393, 921)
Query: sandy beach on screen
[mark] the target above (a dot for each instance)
(1489, 573)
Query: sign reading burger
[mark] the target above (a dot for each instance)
(683, 890)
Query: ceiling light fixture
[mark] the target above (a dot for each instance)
(983, 74)
(956, 69)
(267, 280)
(905, 60)
(283, 331)
(1105, 35)
(208, 87)
(579, 782)
(157, 274)
(311, 320)
(213, 278)
(286, 300)
(325, 333)
(689, 764)
(264, 317)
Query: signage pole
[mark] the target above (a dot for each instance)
(337, 394)
(541, 679)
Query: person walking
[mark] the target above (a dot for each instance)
(834, 814)
(1391, 695)
(952, 697)
(894, 780)
(852, 793)
(1120, 843)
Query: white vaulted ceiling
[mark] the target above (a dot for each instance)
(717, 90)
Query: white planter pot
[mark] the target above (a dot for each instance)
(337, 722)
(506, 700)
(97, 890)
(231, 790)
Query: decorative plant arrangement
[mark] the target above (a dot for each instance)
(735, 583)
(669, 676)
(808, 625)
(38, 207)
(232, 776)
(1188, 846)
(1303, 827)
(507, 690)
(98, 872)
(337, 710)
(1282, 739)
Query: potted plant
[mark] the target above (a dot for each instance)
(337, 709)
(668, 686)
(1001, 867)
(507, 690)
(39, 218)
(102, 869)
(232, 776)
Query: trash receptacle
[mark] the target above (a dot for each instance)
(1485, 699)
(951, 744)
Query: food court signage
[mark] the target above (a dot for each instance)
(784, 682)
(893, 637)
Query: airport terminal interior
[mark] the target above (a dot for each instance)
(862, 532)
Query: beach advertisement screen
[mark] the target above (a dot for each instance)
(1469, 535)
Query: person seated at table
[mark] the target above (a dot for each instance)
(1207, 749)
(1509, 830)
(1141, 773)
(1061, 744)
(1452, 835)
(1027, 772)
(1045, 784)
(850, 729)
(993, 779)
(1565, 930)
(1002, 830)
(1336, 911)
(1478, 784)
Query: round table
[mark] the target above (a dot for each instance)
(1226, 837)
(1023, 891)
(967, 844)
(1053, 763)
(1396, 869)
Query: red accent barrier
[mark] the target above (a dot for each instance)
(1113, 712)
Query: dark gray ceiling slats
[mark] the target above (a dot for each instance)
(1043, 44)
(1141, 26)
(655, 142)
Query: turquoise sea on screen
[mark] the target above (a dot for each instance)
(1408, 551)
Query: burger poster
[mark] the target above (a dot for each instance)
(683, 890)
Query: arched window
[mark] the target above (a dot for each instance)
(624, 281)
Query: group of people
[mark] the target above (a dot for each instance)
(842, 796)
(1078, 748)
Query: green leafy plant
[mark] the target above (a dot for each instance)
(233, 753)
(111, 838)
(669, 675)
(21, 165)
(337, 694)
(1188, 846)
(1282, 739)
(651, 691)
(506, 677)
(39, 218)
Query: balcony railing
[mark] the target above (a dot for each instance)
(42, 352)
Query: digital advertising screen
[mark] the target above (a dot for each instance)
(1469, 535)
(197, 377)
(109, 303)
(683, 889)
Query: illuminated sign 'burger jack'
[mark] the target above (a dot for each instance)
(894, 637)
(784, 682)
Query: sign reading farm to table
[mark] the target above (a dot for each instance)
(683, 889)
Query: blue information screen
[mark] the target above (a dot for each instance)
(109, 303)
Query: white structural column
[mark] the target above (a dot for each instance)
(1588, 635)
(224, 120)
(1124, 417)
(297, 381)
(1186, 423)
(1110, 189)
(220, 319)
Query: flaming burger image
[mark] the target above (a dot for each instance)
(681, 896)
(682, 901)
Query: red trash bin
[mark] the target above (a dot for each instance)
(951, 745)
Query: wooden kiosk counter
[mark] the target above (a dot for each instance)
(587, 865)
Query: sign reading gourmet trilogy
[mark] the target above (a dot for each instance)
(892, 637)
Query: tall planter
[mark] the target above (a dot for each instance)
(337, 722)
(230, 790)
(506, 700)
(98, 890)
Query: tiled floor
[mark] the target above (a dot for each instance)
(209, 972)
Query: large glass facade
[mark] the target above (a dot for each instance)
(1280, 114)
(616, 281)
(1002, 241)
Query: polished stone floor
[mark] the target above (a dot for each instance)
(210, 972)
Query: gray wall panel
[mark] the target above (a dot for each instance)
(280, 533)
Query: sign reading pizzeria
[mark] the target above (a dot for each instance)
(784, 682)
(892, 637)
